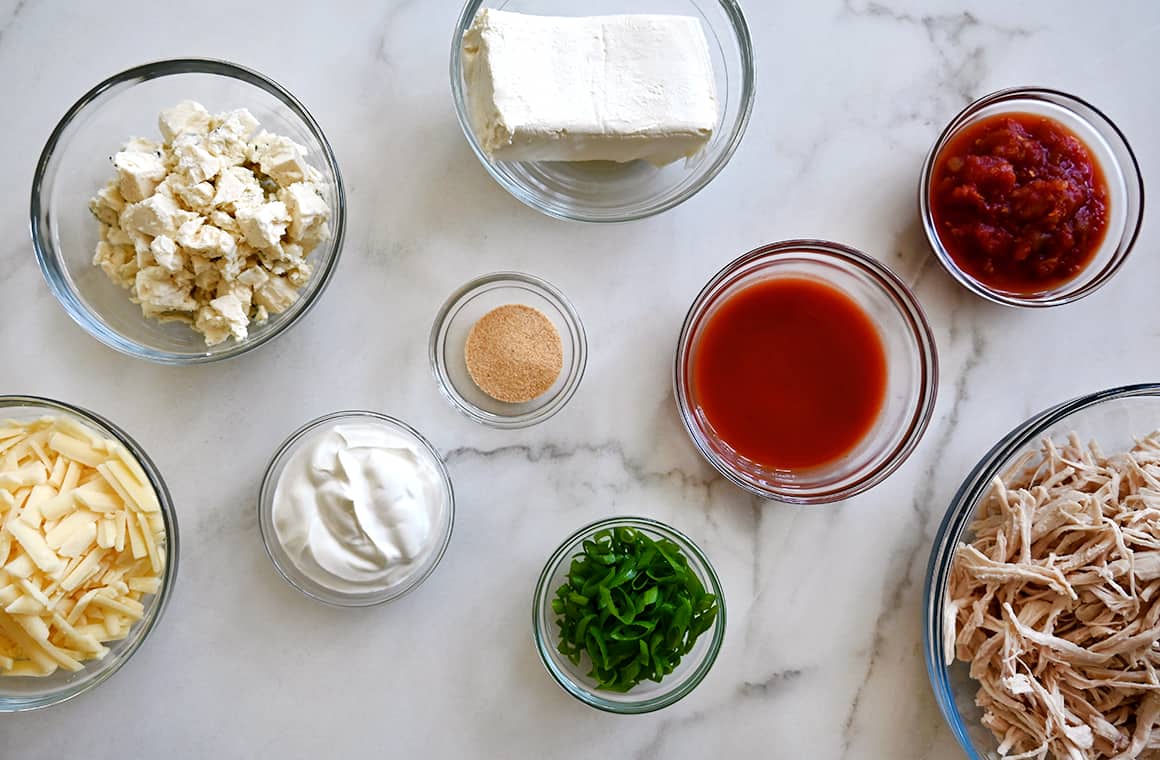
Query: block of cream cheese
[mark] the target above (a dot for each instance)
(601, 88)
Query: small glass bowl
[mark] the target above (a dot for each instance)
(602, 191)
(20, 694)
(647, 696)
(449, 340)
(75, 164)
(1110, 150)
(911, 358)
(1117, 418)
(285, 565)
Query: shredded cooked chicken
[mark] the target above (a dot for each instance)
(1055, 604)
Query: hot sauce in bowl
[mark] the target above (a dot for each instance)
(805, 372)
(790, 372)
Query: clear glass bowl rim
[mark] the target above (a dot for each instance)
(172, 548)
(1104, 125)
(435, 351)
(266, 507)
(543, 596)
(748, 92)
(49, 260)
(955, 522)
(899, 294)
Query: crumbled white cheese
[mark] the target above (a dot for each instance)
(106, 205)
(276, 294)
(193, 160)
(306, 207)
(198, 197)
(165, 253)
(139, 172)
(279, 158)
(116, 236)
(199, 237)
(223, 317)
(213, 227)
(185, 117)
(116, 261)
(156, 215)
(159, 290)
(254, 277)
(237, 187)
(229, 138)
(264, 225)
(140, 242)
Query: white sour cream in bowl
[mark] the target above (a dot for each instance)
(356, 509)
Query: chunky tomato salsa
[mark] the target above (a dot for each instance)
(1019, 203)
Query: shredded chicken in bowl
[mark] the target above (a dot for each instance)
(1055, 604)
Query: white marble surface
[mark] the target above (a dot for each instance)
(822, 656)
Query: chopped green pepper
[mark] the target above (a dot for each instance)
(633, 605)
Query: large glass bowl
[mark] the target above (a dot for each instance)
(1108, 147)
(574, 679)
(911, 370)
(19, 694)
(75, 164)
(599, 191)
(1116, 418)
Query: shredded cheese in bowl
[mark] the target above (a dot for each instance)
(82, 545)
(1055, 603)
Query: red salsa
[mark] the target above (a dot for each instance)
(1019, 203)
(790, 373)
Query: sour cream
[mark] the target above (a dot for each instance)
(360, 507)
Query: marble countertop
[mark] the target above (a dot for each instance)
(822, 654)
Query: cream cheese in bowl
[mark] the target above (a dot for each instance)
(618, 113)
(600, 88)
(356, 509)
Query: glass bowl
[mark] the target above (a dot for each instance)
(647, 696)
(285, 564)
(599, 191)
(75, 164)
(21, 693)
(449, 339)
(1110, 150)
(1116, 418)
(911, 358)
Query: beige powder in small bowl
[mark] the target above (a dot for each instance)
(514, 353)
